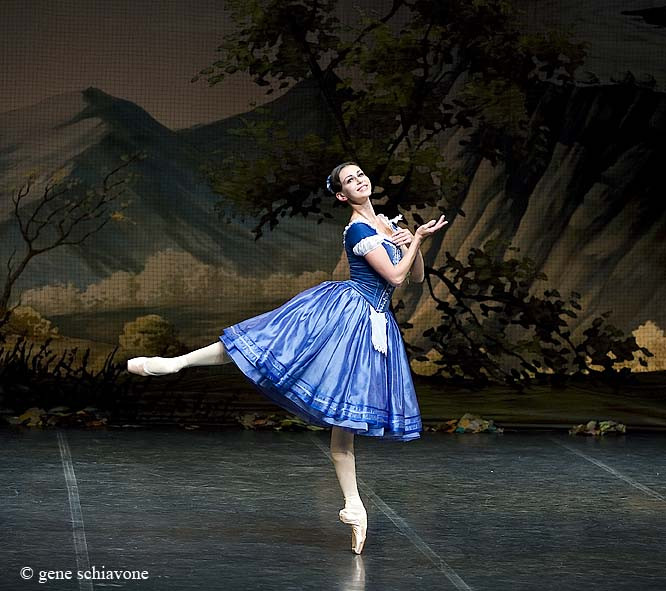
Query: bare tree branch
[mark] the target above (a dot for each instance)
(73, 220)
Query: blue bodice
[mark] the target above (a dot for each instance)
(359, 238)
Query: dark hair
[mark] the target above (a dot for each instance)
(333, 183)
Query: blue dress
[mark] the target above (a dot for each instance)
(333, 354)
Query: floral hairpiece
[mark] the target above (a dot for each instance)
(328, 184)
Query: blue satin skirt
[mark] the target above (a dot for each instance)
(314, 357)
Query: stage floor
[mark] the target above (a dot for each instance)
(528, 510)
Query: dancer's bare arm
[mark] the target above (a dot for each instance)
(402, 237)
(379, 260)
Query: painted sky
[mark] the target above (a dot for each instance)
(147, 51)
(143, 51)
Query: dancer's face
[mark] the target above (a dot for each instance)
(355, 185)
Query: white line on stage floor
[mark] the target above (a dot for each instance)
(78, 530)
(404, 527)
(647, 490)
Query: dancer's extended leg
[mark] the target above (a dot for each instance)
(344, 460)
(214, 354)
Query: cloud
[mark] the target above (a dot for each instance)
(170, 278)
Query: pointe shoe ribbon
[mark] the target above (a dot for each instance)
(138, 366)
(358, 519)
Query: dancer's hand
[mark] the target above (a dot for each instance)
(429, 228)
(402, 237)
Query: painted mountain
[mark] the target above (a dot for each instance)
(171, 205)
(170, 248)
(590, 212)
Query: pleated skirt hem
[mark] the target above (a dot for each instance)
(299, 398)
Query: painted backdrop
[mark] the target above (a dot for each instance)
(99, 98)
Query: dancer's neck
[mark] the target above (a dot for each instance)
(365, 211)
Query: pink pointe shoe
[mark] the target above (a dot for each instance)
(358, 519)
(137, 366)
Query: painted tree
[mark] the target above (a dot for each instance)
(396, 85)
(65, 212)
(150, 335)
(385, 80)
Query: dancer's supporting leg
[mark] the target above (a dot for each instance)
(344, 460)
(214, 354)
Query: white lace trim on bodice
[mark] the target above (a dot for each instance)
(387, 222)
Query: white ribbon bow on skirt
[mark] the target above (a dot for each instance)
(378, 324)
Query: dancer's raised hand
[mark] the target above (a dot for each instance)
(429, 228)
(402, 237)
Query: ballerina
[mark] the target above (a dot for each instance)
(333, 354)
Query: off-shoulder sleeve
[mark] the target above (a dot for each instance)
(362, 238)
